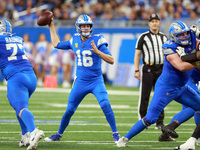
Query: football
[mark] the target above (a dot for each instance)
(45, 18)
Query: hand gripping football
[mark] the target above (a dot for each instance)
(45, 18)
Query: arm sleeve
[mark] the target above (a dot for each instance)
(190, 57)
(104, 49)
(65, 45)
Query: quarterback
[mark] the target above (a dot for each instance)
(89, 50)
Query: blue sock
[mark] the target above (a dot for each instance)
(28, 119)
(65, 121)
(108, 112)
(22, 125)
(137, 128)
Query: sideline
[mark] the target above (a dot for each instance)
(62, 90)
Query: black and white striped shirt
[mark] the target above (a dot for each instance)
(151, 46)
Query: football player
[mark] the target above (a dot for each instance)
(186, 113)
(171, 85)
(21, 83)
(89, 50)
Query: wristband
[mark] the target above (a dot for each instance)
(137, 71)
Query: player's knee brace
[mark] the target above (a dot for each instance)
(105, 106)
(146, 122)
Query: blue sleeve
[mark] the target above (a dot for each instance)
(64, 45)
(169, 47)
(104, 49)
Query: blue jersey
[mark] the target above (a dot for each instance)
(88, 63)
(195, 76)
(171, 75)
(12, 56)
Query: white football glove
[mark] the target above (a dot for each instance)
(195, 29)
(180, 51)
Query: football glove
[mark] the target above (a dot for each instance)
(195, 29)
(180, 51)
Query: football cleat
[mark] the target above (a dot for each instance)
(198, 142)
(55, 137)
(170, 131)
(116, 136)
(25, 141)
(165, 138)
(35, 136)
(122, 142)
(188, 145)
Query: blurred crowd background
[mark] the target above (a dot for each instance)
(120, 21)
(26, 12)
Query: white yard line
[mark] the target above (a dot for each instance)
(82, 111)
(100, 132)
(97, 142)
(62, 90)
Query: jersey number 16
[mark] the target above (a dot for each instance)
(87, 60)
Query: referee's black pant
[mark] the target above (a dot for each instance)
(149, 75)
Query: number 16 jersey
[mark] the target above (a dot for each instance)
(88, 63)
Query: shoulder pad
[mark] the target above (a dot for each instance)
(2, 38)
(18, 39)
(169, 47)
(101, 40)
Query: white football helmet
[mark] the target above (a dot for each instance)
(178, 28)
(84, 19)
(5, 28)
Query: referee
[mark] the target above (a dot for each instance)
(149, 44)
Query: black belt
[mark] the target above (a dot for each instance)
(153, 65)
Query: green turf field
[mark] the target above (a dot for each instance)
(88, 129)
